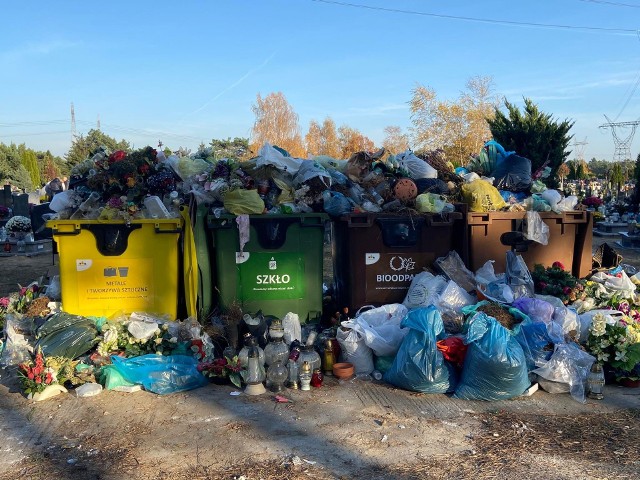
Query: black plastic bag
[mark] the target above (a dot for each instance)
(513, 174)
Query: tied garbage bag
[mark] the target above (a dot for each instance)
(568, 365)
(160, 374)
(495, 367)
(481, 196)
(419, 364)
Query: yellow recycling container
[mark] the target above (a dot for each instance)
(111, 266)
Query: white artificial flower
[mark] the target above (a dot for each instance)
(158, 340)
(173, 340)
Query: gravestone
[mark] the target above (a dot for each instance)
(21, 205)
(6, 198)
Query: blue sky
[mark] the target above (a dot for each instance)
(189, 71)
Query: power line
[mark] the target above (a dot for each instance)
(619, 31)
(32, 134)
(615, 4)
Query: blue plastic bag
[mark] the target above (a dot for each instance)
(336, 204)
(495, 367)
(160, 374)
(419, 365)
(535, 341)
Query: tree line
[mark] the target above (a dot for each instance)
(459, 127)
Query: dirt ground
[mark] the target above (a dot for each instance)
(354, 429)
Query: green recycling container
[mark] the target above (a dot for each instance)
(278, 270)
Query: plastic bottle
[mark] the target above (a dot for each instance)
(377, 375)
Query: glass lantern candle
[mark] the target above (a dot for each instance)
(276, 349)
(305, 376)
(277, 375)
(255, 373)
(595, 382)
(309, 354)
(328, 357)
(249, 342)
(293, 368)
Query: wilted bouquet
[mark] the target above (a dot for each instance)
(556, 281)
(18, 224)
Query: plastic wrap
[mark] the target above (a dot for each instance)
(495, 366)
(160, 374)
(569, 365)
(69, 342)
(419, 364)
(518, 276)
(454, 268)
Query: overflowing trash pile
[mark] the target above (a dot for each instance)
(482, 335)
(148, 184)
(506, 336)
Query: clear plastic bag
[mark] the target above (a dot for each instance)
(18, 347)
(569, 365)
(518, 276)
(416, 167)
(537, 230)
(424, 290)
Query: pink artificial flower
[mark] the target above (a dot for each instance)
(558, 265)
(566, 290)
(4, 302)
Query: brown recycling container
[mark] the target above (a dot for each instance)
(570, 240)
(378, 254)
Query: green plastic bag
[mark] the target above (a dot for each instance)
(430, 203)
(111, 378)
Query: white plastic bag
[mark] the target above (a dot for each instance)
(537, 230)
(142, 330)
(380, 328)
(292, 328)
(424, 290)
(355, 351)
(270, 156)
(567, 204)
(416, 167)
(622, 284)
(553, 197)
